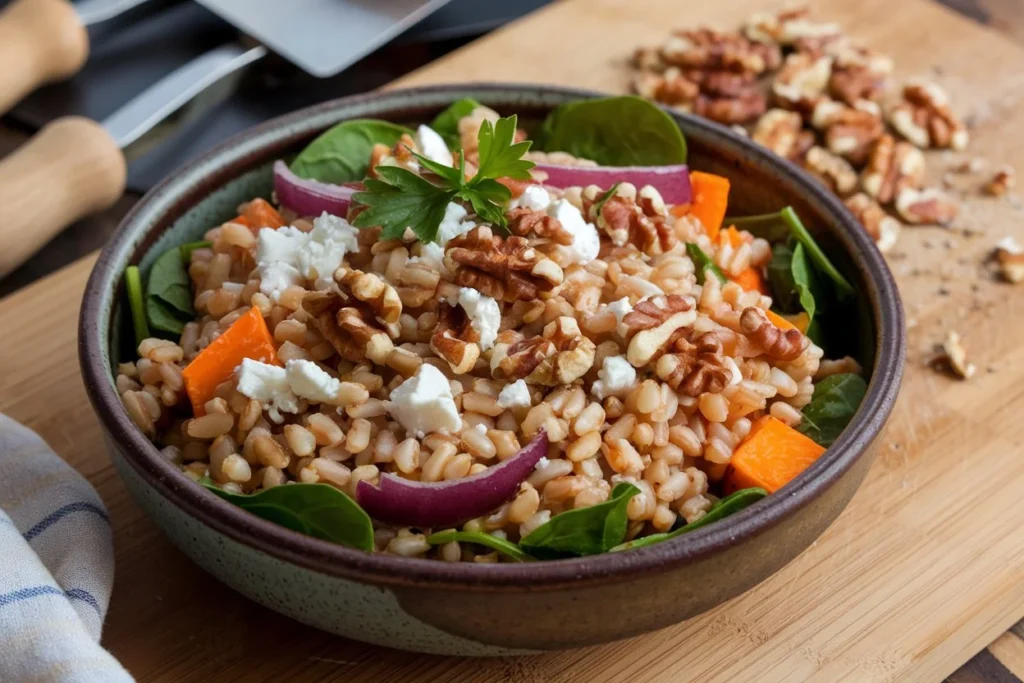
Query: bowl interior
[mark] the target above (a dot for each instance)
(207, 192)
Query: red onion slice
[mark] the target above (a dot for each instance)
(673, 182)
(310, 197)
(447, 503)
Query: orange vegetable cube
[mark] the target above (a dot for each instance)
(709, 199)
(248, 337)
(779, 321)
(751, 280)
(260, 214)
(771, 456)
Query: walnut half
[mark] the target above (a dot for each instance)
(773, 342)
(353, 331)
(504, 269)
(455, 340)
(560, 356)
(654, 324)
(695, 368)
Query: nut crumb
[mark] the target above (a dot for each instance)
(1010, 257)
(953, 356)
(1001, 183)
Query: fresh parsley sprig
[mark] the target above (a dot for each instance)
(398, 198)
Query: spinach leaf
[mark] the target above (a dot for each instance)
(702, 262)
(316, 510)
(614, 131)
(136, 303)
(833, 405)
(507, 548)
(585, 531)
(793, 281)
(169, 282)
(447, 122)
(776, 227)
(342, 153)
(163, 317)
(734, 502)
(189, 247)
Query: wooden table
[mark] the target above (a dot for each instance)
(923, 570)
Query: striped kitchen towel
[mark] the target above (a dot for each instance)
(56, 567)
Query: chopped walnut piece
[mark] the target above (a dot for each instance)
(695, 368)
(802, 81)
(399, 155)
(654, 323)
(851, 133)
(629, 218)
(787, 27)
(706, 48)
(927, 206)
(1001, 183)
(832, 170)
(523, 221)
(954, 356)
(924, 118)
(669, 87)
(559, 356)
(455, 340)
(370, 289)
(731, 110)
(858, 73)
(417, 284)
(505, 269)
(782, 132)
(648, 59)
(892, 166)
(774, 342)
(1010, 256)
(883, 228)
(353, 331)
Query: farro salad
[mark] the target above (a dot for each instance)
(441, 342)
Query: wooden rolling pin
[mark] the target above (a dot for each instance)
(41, 41)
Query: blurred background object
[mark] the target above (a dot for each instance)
(130, 52)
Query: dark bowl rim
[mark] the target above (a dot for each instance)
(374, 568)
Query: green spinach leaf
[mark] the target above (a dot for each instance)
(734, 502)
(793, 281)
(342, 153)
(702, 262)
(584, 531)
(163, 317)
(136, 303)
(503, 546)
(776, 227)
(447, 122)
(833, 405)
(169, 282)
(615, 131)
(316, 510)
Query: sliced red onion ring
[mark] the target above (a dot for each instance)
(447, 503)
(673, 182)
(310, 197)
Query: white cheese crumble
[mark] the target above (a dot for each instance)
(453, 225)
(433, 146)
(586, 243)
(423, 403)
(431, 254)
(534, 197)
(515, 395)
(620, 308)
(287, 254)
(309, 381)
(484, 315)
(279, 389)
(269, 385)
(615, 376)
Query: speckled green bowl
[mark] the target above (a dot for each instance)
(470, 609)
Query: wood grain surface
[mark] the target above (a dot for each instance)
(920, 573)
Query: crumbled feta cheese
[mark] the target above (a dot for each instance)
(433, 146)
(534, 197)
(431, 254)
(309, 381)
(483, 313)
(287, 254)
(269, 385)
(615, 376)
(620, 308)
(542, 463)
(423, 403)
(277, 276)
(453, 225)
(515, 395)
(586, 243)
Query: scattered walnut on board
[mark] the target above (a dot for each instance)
(927, 206)
(953, 356)
(883, 228)
(924, 118)
(1010, 257)
(1001, 182)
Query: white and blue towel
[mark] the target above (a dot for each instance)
(56, 567)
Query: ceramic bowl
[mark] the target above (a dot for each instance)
(473, 609)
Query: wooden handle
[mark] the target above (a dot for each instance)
(40, 41)
(71, 168)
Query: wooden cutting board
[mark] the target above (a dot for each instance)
(925, 567)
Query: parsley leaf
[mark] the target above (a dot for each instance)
(399, 198)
